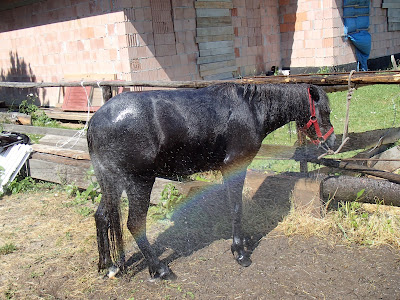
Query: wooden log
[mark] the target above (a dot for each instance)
(387, 77)
(346, 188)
(357, 168)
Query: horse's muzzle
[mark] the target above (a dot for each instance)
(330, 141)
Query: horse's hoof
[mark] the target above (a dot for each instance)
(162, 272)
(244, 260)
(112, 272)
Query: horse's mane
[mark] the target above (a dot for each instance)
(276, 92)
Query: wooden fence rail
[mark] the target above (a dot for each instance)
(387, 77)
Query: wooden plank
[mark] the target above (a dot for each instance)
(393, 26)
(217, 71)
(217, 51)
(215, 58)
(391, 5)
(220, 76)
(40, 130)
(71, 153)
(215, 45)
(215, 38)
(63, 115)
(56, 140)
(59, 171)
(214, 31)
(203, 22)
(205, 12)
(213, 4)
(217, 65)
(393, 12)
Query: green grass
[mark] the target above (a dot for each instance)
(372, 107)
(7, 249)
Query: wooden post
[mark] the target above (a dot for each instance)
(106, 91)
(302, 138)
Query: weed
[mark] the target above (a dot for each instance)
(9, 293)
(170, 199)
(85, 211)
(8, 248)
(21, 185)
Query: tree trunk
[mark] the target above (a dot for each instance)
(346, 188)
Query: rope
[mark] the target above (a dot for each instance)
(345, 138)
(81, 133)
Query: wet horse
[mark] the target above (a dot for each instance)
(136, 137)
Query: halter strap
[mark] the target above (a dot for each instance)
(314, 121)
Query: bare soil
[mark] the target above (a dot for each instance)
(56, 255)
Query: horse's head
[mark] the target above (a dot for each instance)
(317, 125)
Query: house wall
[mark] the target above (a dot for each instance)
(312, 34)
(82, 39)
(384, 42)
(257, 36)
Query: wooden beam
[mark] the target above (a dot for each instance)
(379, 77)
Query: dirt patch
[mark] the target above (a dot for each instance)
(56, 256)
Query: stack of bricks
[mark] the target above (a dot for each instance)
(384, 42)
(160, 40)
(312, 34)
(257, 42)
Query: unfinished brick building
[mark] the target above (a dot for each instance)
(45, 40)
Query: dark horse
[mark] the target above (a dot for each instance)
(136, 137)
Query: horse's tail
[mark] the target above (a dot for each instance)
(115, 232)
(108, 220)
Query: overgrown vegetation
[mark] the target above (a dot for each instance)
(27, 184)
(170, 199)
(352, 222)
(7, 249)
(39, 118)
(85, 200)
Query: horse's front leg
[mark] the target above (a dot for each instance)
(234, 189)
(139, 199)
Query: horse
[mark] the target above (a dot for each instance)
(135, 137)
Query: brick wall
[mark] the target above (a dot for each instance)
(384, 42)
(256, 29)
(312, 33)
(121, 39)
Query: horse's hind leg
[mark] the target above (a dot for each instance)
(108, 227)
(138, 192)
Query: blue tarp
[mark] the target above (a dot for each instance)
(362, 42)
(356, 22)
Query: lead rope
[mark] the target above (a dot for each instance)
(345, 138)
(82, 132)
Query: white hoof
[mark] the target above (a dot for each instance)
(112, 272)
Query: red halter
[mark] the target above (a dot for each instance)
(313, 121)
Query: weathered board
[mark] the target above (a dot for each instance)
(215, 39)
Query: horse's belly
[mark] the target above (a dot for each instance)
(182, 164)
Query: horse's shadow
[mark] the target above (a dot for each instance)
(205, 217)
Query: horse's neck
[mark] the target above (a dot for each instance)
(282, 112)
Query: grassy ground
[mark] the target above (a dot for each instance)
(372, 107)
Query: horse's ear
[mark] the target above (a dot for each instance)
(314, 93)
